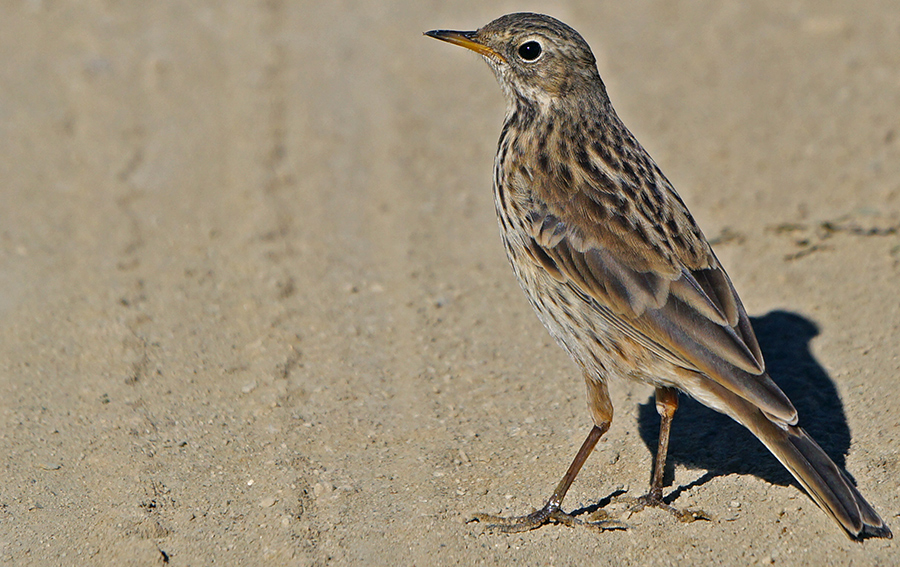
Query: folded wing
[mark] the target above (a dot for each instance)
(681, 307)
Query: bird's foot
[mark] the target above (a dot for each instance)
(654, 499)
(598, 521)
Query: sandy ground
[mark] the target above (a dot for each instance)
(254, 309)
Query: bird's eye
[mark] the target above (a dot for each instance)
(530, 50)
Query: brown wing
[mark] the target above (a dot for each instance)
(671, 295)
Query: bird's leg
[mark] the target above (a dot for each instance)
(551, 511)
(666, 405)
(601, 410)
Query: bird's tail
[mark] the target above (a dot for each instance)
(822, 479)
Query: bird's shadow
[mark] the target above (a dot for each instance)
(704, 439)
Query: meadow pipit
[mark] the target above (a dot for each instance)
(619, 272)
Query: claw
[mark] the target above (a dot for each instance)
(596, 521)
(655, 501)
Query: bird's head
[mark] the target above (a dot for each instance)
(534, 57)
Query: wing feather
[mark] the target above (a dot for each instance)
(693, 318)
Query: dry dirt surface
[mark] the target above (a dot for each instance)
(254, 309)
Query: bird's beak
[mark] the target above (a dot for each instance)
(466, 39)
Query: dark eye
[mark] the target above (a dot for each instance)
(530, 50)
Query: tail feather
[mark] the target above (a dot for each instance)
(822, 479)
(819, 476)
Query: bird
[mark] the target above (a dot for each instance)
(619, 272)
